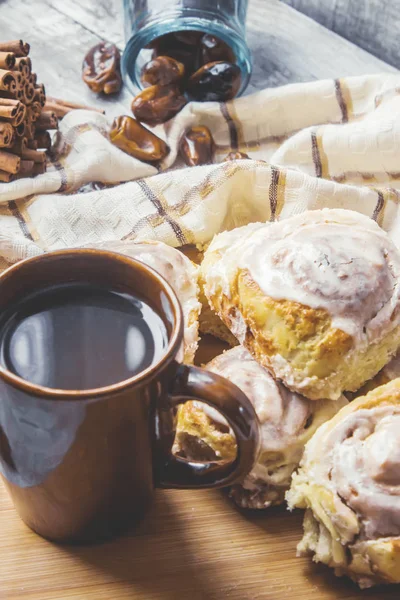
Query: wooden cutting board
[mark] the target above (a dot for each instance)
(191, 546)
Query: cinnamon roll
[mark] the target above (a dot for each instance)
(180, 272)
(287, 422)
(349, 482)
(388, 373)
(315, 298)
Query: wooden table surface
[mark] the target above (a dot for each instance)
(192, 544)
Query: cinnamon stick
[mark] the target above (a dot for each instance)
(26, 169)
(19, 79)
(43, 139)
(33, 79)
(36, 108)
(9, 162)
(7, 81)
(7, 60)
(7, 135)
(20, 117)
(6, 177)
(47, 120)
(30, 130)
(19, 145)
(30, 169)
(33, 145)
(57, 109)
(17, 94)
(20, 63)
(39, 169)
(34, 111)
(36, 156)
(26, 69)
(20, 129)
(24, 66)
(40, 94)
(29, 92)
(9, 108)
(62, 107)
(12, 110)
(23, 95)
(17, 47)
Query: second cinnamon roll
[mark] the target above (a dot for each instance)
(349, 482)
(315, 298)
(287, 422)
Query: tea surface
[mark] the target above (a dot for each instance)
(77, 336)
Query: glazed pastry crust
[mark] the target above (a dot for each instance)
(389, 372)
(318, 351)
(349, 484)
(211, 324)
(199, 437)
(287, 421)
(209, 321)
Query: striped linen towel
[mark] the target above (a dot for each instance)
(333, 143)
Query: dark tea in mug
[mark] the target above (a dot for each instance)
(79, 336)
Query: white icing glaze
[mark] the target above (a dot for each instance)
(238, 326)
(285, 417)
(334, 259)
(228, 242)
(180, 273)
(360, 463)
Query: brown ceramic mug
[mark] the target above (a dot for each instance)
(82, 465)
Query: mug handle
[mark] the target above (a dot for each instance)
(192, 383)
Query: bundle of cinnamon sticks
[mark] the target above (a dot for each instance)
(26, 116)
(24, 122)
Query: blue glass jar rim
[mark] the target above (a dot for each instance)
(149, 33)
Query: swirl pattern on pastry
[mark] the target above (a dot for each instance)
(180, 273)
(315, 298)
(287, 421)
(349, 482)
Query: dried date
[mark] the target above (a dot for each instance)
(213, 49)
(134, 139)
(216, 81)
(171, 45)
(196, 146)
(101, 69)
(157, 104)
(162, 70)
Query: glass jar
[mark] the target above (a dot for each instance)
(146, 20)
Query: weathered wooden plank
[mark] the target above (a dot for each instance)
(103, 17)
(286, 46)
(371, 24)
(58, 46)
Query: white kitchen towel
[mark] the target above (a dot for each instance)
(333, 143)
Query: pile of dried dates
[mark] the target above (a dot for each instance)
(185, 65)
